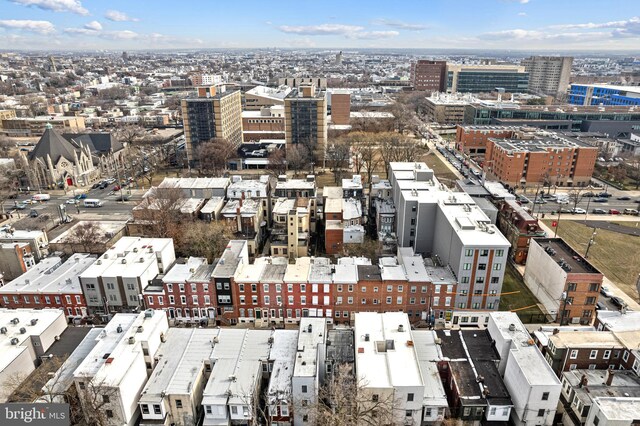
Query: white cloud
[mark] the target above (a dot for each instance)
(522, 14)
(322, 29)
(626, 28)
(40, 27)
(373, 35)
(117, 16)
(535, 35)
(399, 24)
(93, 25)
(74, 6)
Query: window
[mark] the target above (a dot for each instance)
(156, 409)
(304, 388)
(497, 266)
(484, 252)
(208, 409)
(495, 280)
(109, 413)
(409, 397)
(172, 300)
(374, 397)
(482, 266)
(388, 300)
(607, 354)
(574, 354)
(408, 413)
(545, 396)
(181, 288)
(194, 299)
(464, 280)
(572, 287)
(234, 409)
(625, 356)
(466, 412)
(183, 299)
(541, 412)
(593, 287)
(144, 408)
(593, 354)
(466, 266)
(399, 300)
(105, 399)
(178, 403)
(81, 384)
(499, 253)
(468, 252)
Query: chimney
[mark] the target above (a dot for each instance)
(610, 375)
(556, 331)
(584, 381)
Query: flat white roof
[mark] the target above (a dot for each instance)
(296, 184)
(249, 273)
(181, 272)
(283, 355)
(105, 227)
(299, 272)
(214, 203)
(320, 271)
(428, 354)
(313, 332)
(378, 366)
(195, 183)
(180, 360)
(130, 250)
(617, 321)
(351, 209)
(345, 274)
(619, 408)
(44, 318)
(51, 276)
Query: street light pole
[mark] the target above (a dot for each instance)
(591, 242)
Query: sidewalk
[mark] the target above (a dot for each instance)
(434, 151)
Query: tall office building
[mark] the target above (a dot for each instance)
(430, 76)
(211, 115)
(548, 75)
(305, 112)
(486, 78)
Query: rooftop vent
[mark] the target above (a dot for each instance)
(512, 327)
(366, 337)
(34, 321)
(15, 321)
(23, 330)
(3, 330)
(401, 328)
(148, 313)
(14, 341)
(119, 329)
(140, 329)
(131, 340)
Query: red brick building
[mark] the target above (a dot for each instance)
(518, 226)
(473, 139)
(50, 284)
(430, 76)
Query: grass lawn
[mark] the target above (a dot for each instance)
(630, 224)
(440, 169)
(513, 282)
(616, 255)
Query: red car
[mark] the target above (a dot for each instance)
(117, 188)
(614, 211)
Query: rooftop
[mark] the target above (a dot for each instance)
(388, 358)
(313, 332)
(562, 251)
(585, 339)
(234, 254)
(283, 355)
(619, 408)
(625, 384)
(182, 272)
(429, 354)
(320, 271)
(51, 276)
(106, 228)
(195, 183)
(540, 144)
(340, 346)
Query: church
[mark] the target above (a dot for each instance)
(78, 159)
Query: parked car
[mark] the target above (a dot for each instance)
(80, 196)
(562, 200)
(72, 201)
(123, 198)
(604, 290)
(599, 211)
(632, 212)
(578, 210)
(618, 301)
(588, 194)
(604, 194)
(614, 211)
(539, 201)
(96, 185)
(33, 213)
(21, 206)
(116, 188)
(103, 185)
(624, 198)
(523, 200)
(601, 306)
(110, 181)
(563, 210)
(600, 200)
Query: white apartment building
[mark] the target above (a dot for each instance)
(533, 386)
(452, 229)
(25, 335)
(387, 365)
(173, 394)
(614, 412)
(118, 367)
(306, 372)
(239, 360)
(38, 240)
(116, 280)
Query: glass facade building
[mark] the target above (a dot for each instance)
(476, 81)
(582, 94)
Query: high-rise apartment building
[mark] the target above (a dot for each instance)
(211, 115)
(305, 112)
(430, 76)
(548, 75)
(486, 78)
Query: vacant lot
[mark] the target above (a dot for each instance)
(523, 298)
(615, 255)
(441, 170)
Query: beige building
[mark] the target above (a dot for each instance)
(290, 233)
(25, 127)
(211, 116)
(305, 112)
(6, 114)
(548, 75)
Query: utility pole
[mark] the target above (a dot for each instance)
(591, 242)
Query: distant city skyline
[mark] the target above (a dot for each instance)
(437, 24)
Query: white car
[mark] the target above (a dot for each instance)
(562, 201)
(72, 201)
(604, 290)
(578, 210)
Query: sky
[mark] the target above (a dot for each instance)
(553, 25)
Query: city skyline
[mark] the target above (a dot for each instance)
(497, 25)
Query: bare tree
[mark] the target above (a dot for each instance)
(9, 177)
(278, 162)
(161, 210)
(95, 397)
(129, 133)
(86, 237)
(369, 249)
(213, 155)
(576, 195)
(297, 158)
(204, 239)
(339, 157)
(345, 400)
